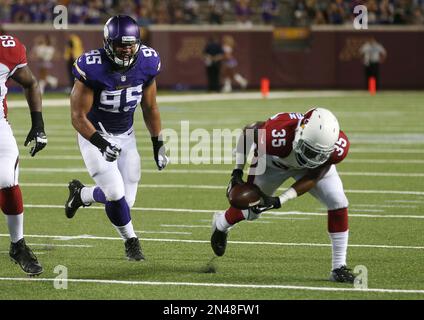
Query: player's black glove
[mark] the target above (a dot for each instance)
(36, 135)
(267, 203)
(159, 153)
(109, 151)
(236, 178)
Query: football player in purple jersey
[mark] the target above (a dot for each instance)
(110, 83)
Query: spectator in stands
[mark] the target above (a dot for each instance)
(418, 17)
(373, 54)
(144, 16)
(20, 12)
(230, 65)
(73, 50)
(386, 12)
(336, 13)
(217, 9)
(191, 11)
(213, 55)
(243, 13)
(5, 11)
(161, 13)
(319, 18)
(269, 10)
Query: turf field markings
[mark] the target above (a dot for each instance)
(184, 226)
(384, 206)
(266, 243)
(366, 210)
(401, 216)
(372, 161)
(406, 201)
(207, 97)
(221, 187)
(163, 232)
(219, 285)
(226, 172)
(60, 245)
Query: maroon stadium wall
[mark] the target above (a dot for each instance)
(331, 60)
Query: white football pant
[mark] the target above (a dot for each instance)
(9, 154)
(118, 178)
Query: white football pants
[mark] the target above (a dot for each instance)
(328, 190)
(9, 154)
(119, 178)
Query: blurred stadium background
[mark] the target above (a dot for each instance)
(308, 44)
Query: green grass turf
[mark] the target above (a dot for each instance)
(387, 137)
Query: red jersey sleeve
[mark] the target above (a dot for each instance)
(341, 150)
(12, 53)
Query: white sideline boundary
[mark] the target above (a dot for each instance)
(284, 244)
(57, 103)
(217, 285)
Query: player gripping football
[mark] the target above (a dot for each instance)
(304, 147)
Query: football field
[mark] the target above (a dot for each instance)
(286, 254)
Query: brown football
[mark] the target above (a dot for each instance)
(244, 196)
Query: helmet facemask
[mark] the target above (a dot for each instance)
(118, 51)
(309, 156)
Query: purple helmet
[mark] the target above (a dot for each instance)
(121, 40)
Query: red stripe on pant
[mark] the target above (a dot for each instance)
(337, 220)
(233, 215)
(11, 200)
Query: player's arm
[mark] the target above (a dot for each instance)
(26, 79)
(248, 137)
(151, 116)
(81, 102)
(301, 186)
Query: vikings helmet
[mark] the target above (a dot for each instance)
(121, 32)
(315, 137)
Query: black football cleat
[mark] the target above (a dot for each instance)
(21, 254)
(74, 200)
(133, 250)
(342, 274)
(218, 239)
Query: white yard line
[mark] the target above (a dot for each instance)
(186, 210)
(59, 245)
(266, 243)
(226, 172)
(371, 161)
(219, 285)
(185, 226)
(405, 201)
(163, 232)
(384, 206)
(216, 187)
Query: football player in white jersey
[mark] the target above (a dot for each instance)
(13, 64)
(304, 147)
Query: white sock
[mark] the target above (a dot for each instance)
(221, 222)
(339, 242)
(240, 80)
(15, 223)
(87, 196)
(126, 232)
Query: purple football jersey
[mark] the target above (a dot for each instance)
(116, 94)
